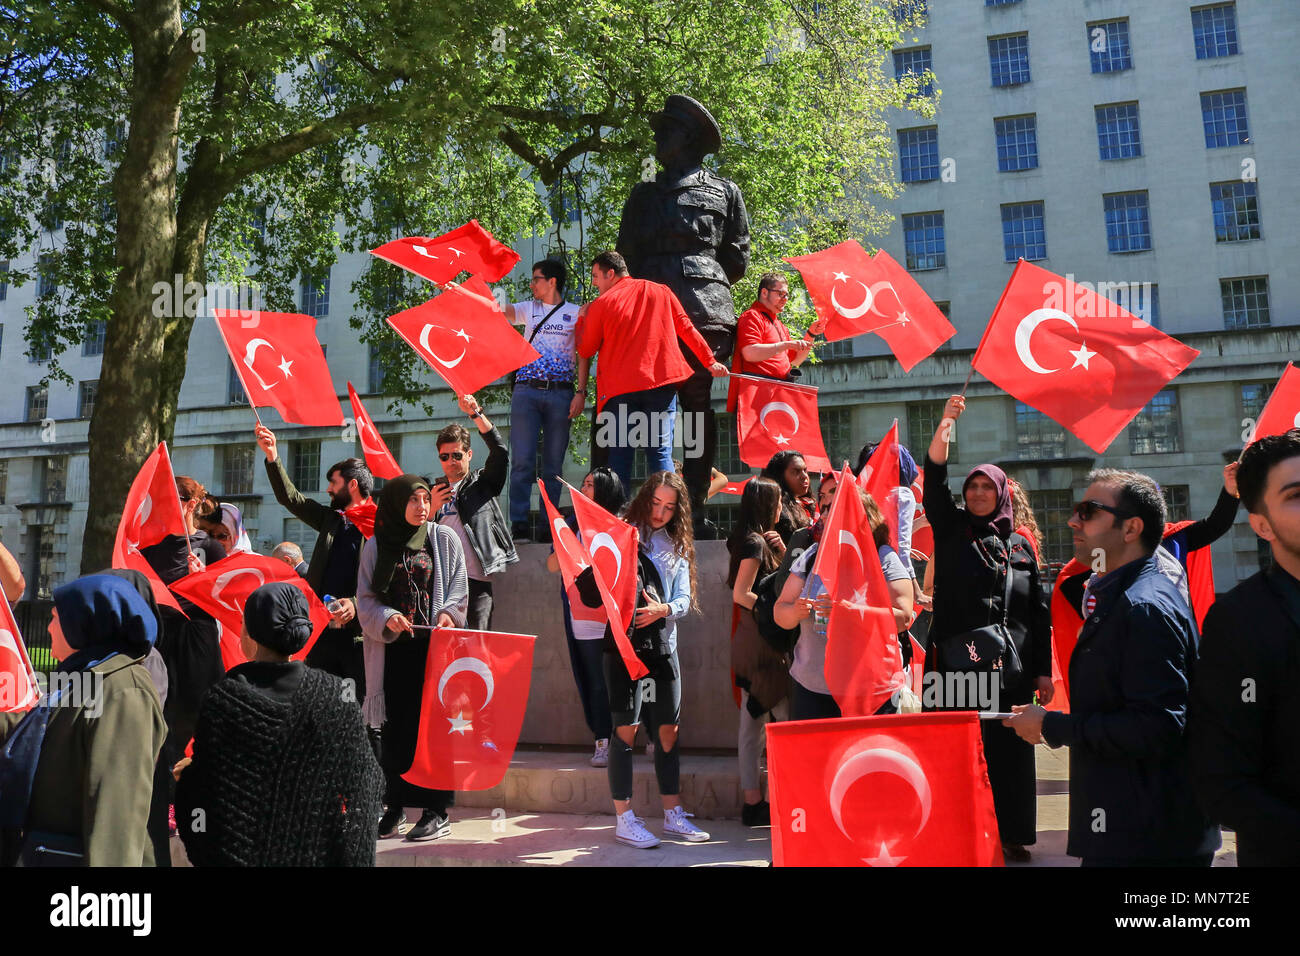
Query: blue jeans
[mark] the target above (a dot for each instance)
(648, 416)
(534, 411)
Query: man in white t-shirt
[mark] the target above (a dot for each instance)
(546, 396)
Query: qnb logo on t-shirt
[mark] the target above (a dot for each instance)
(554, 341)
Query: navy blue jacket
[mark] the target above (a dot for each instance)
(1130, 792)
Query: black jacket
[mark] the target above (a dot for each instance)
(1243, 725)
(1130, 790)
(648, 641)
(476, 503)
(329, 525)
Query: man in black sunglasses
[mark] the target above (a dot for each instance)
(1130, 794)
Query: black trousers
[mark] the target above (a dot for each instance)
(338, 652)
(478, 617)
(693, 397)
(404, 662)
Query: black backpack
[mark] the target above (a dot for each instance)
(768, 589)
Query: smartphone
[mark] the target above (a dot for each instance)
(443, 481)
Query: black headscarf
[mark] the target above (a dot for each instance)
(393, 534)
(276, 616)
(999, 520)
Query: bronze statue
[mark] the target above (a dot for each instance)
(689, 230)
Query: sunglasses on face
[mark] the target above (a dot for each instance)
(458, 455)
(1086, 510)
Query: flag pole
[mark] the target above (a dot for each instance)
(979, 348)
(238, 374)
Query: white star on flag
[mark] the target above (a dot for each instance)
(460, 724)
(841, 277)
(883, 858)
(781, 440)
(461, 333)
(1081, 356)
(284, 366)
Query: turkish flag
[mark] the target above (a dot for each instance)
(918, 666)
(464, 337)
(1282, 411)
(475, 693)
(616, 574)
(362, 514)
(864, 663)
(735, 487)
(879, 478)
(135, 561)
(280, 364)
(222, 588)
(774, 416)
(1067, 621)
(919, 327)
(379, 459)
(568, 550)
(843, 283)
(467, 248)
(152, 512)
(18, 687)
(1091, 367)
(910, 790)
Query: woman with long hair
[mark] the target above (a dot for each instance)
(584, 627)
(979, 559)
(666, 589)
(805, 604)
(411, 574)
(798, 510)
(761, 673)
(1023, 520)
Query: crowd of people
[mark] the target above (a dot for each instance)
(1173, 729)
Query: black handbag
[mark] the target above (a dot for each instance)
(985, 649)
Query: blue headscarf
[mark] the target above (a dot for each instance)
(100, 616)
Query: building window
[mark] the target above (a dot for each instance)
(923, 420)
(1023, 233)
(301, 534)
(727, 459)
(1245, 302)
(1253, 399)
(86, 393)
(923, 241)
(4, 280)
(835, 351)
(1017, 138)
(327, 74)
(93, 344)
(46, 286)
(915, 63)
(1009, 59)
(1155, 429)
(999, 3)
(259, 219)
(43, 544)
(1037, 436)
(1214, 30)
(1052, 509)
(1140, 298)
(909, 11)
(1118, 133)
(54, 479)
(237, 469)
(562, 200)
(1224, 116)
(4, 480)
(1177, 501)
(1128, 222)
(304, 464)
(918, 154)
(235, 394)
(376, 375)
(394, 444)
(837, 434)
(1236, 211)
(316, 297)
(1109, 47)
(114, 139)
(38, 400)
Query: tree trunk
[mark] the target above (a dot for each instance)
(124, 425)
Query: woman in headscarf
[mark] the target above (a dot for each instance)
(76, 775)
(225, 525)
(282, 768)
(975, 549)
(412, 574)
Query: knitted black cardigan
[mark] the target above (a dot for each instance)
(280, 784)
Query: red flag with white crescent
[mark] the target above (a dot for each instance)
(1077, 357)
(1282, 411)
(610, 547)
(900, 790)
(774, 416)
(379, 459)
(918, 327)
(568, 550)
(151, 513)
(18, 687)
(468, 248)
(464, 337)
(222, 588)
(736, 487)
(864, 662)
(879, 478)
(842, 283)
(475, 693)
(281, 364)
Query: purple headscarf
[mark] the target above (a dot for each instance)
(999, 521)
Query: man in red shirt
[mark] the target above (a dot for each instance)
(763, 343)
(634, 324)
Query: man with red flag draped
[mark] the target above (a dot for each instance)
(341, 529)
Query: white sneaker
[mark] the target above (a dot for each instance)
(633, 832)
(601, 757)
(677, 823)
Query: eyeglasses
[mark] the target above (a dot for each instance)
(1086, 510)
(779, 294)
(458, 455)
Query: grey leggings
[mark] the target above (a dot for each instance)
(749, 742)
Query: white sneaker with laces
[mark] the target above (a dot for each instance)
(632, 832)
(677, 823)
(601, 757)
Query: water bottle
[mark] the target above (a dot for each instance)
(334, 605)
(819, 622)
